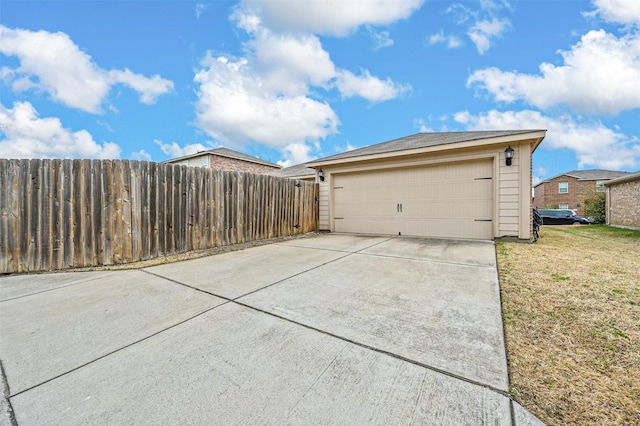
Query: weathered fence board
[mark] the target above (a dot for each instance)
(57, 214)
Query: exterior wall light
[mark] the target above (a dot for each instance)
(321, 175)
(508, 154)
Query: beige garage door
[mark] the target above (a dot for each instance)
(453, 200)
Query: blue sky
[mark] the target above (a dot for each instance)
(293, 80)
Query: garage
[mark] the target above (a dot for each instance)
(449, 200)
(467, 185)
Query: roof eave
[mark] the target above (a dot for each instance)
(186, 157)
(623, 179)
(537, 136)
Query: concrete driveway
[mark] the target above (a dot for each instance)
(330, 329)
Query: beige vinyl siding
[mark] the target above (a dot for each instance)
(525, 165)
(324, 220)
(514, 193)
(509, 196)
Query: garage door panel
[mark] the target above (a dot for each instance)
(365, 226)
(353, 209)
(451, 228)
(451, 209)
(452, 200)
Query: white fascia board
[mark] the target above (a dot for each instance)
(536, 136)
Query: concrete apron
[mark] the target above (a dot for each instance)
(332, 329)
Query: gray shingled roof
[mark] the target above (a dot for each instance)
(226, 152)
(626, 178)
(300, 170)
(422, 140)
(595, 174)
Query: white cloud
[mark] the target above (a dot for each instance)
(482, 32)
(148, 87)
(461, 13)
(368, 86)
(625, 12)
(288, 64)
(200, 8)
(600, 74)
(381, 39)
(481, 23)
(26, 135)
(437, 38)
(52, 63)
(593, 143)
(494, 4)
(296, 153)
(337, 18)
(350, 147)
(274, 94)
(451, 41)
(422, 126)
(173, 150)
(537, 175)
(234, 107)
(141, 155)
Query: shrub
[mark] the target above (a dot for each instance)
(594, 205)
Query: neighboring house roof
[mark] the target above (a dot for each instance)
(226, 152)
(297, 171)
(421, 141)
(627, 178)
(589, 175)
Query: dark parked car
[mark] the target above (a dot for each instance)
(561, 217)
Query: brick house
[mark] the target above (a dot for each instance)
(226, 159)
(623, 201)
(569, 190)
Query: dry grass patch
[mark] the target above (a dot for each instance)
(571, 308)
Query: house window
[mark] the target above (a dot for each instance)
(563, 206)
(205, 161)
(563, 187)
(600, 185)
(185, 163)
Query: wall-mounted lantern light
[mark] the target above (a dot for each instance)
(508, 154)
(321, 175)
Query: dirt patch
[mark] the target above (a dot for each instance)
(571, 308)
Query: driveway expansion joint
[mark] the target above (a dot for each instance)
(383, 352)
(441, 262)
(57, 288)
(362, 345)
(76, 368)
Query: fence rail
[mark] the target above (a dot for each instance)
(57, 214)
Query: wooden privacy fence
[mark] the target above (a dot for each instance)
(57, 214)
